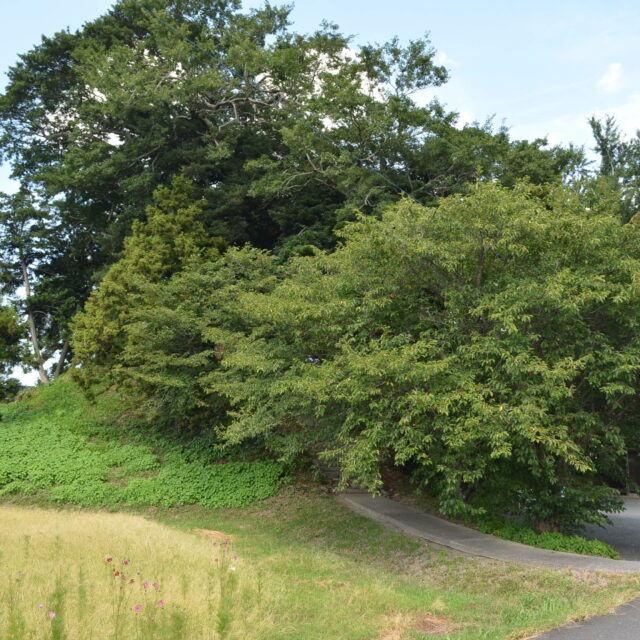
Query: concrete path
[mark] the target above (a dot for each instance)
(624, 534)
(624, 624)
(421, 524)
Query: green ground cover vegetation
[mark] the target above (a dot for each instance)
(268, 247)
(52, 446)
(298, 565)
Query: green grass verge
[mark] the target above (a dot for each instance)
(306, 566)
(553, 540)
(323, 551)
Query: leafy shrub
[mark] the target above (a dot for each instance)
(553, 540)
(490, 338)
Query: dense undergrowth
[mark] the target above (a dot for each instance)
(554, 540)
(58, 446)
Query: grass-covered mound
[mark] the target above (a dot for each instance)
(57, 445)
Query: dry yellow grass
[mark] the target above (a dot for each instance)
(56, 562)
(300, 567)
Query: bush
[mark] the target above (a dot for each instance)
(554, 540)
(493, 338)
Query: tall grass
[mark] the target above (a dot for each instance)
(68, 576)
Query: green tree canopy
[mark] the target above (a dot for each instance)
(284, 136)
(171, 237)
(12, 334)
(490, 344)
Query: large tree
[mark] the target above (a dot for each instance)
(283, 136)
(489, 344)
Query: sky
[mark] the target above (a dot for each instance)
(540, 68)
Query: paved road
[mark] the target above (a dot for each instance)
(624, 535)
(426, 526)
(624, 624)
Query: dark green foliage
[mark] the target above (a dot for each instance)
(45, 451)
(159, 247)
(162, 352)
(541, 505)
(619, 171)
(9, 389)
(12, 334)
(554, 540)
(284, 137)
(167, 351)
(490, 343)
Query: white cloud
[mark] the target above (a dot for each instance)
(612, 79)
(574, 127)
(446, 60)
(627, 115)
(464, 118)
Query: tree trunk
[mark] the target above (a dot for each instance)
(61, 359)
(542, 526)
(42, 374)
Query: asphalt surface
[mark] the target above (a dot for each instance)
(624, 535)
(624, 624)
(420, 524)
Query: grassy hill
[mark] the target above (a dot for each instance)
(58, 446)
(252, 560)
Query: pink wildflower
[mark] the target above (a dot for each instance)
(52, 614)
(156, 586)
(109, 560)
(145, 584)
(137, 608)
(160, 603)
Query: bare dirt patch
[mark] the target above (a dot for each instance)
(214, 535)
(398, 625)
(432, 625)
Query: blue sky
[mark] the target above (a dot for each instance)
(542, 68)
